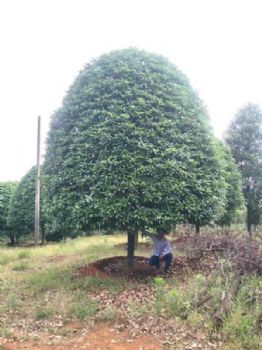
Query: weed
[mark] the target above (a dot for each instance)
(42, 314)
(50, 279)
(13, 301)
(137, 309)
(5, 333)
(108, 314)
(241, 324)
(83, 311)
(63, 332)
(195, 319)
(5, 259)
(8, 255)
(24, 254)
(178, 303)
(22, 266)
(160, 294)
(200, 279)
(95, 283)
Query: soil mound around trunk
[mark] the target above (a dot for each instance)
(117, 267)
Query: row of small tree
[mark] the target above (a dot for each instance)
(244, 137)
(17, 207)
(131, 148)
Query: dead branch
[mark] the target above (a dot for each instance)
(242, 252)
(200, 299)
(227, 300)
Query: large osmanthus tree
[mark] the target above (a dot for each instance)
(244, 136)
(6, 192)
(131, 148)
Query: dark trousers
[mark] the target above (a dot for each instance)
(155, 261)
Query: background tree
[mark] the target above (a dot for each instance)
(131, 148)
(232, 176)
(21, 216)
(207, 203)
(244, 137)
(6, 192)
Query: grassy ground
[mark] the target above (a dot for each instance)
(39, 293)
(38, 283)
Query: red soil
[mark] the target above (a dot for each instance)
(100, 338)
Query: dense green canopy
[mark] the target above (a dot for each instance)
(131, 148)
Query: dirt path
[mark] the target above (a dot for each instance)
(100, 338)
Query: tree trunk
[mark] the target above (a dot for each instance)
(12, 240)
(130, 248)
(43, 237)
(136, 239)
(197, 229)
(249, 220)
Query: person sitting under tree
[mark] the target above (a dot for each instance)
(161, 250)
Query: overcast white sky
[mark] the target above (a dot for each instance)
(45, 43)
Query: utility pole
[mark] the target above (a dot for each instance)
(37, 186)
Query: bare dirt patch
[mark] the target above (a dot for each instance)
(101, 337)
